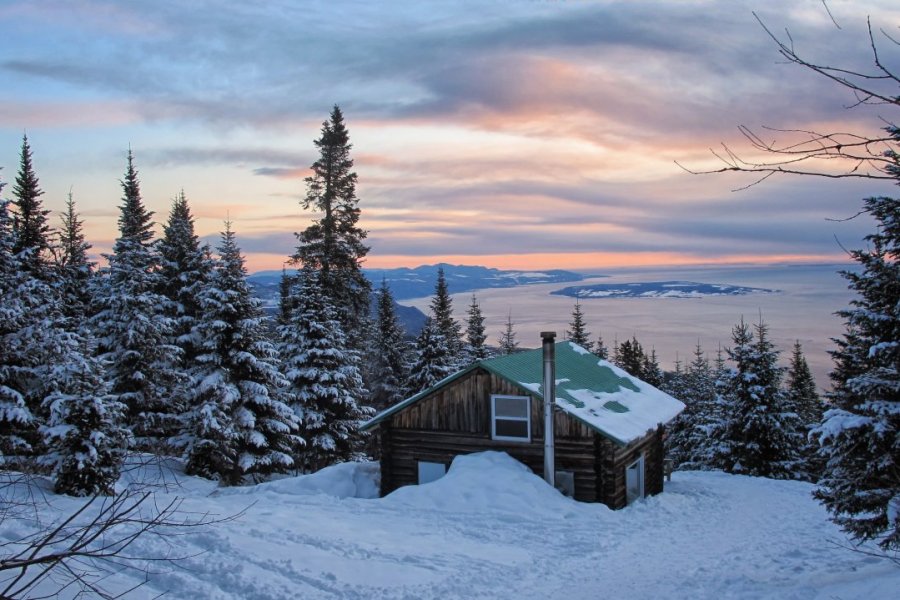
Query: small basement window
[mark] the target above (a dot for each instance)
(511, 418)
(634, 480)
(431, 471)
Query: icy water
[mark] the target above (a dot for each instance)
(802, 310)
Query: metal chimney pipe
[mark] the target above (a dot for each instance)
(549, 388)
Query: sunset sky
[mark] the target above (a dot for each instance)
(509, 133)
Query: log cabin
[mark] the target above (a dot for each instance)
(608, 427)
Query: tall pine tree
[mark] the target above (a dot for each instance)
(507, 341)
(75, 267)
(334, 244)
(860, 434)
(442, 317)
(432, 361)
(132, 329)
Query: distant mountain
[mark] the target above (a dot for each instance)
(265, 286)
(658, 289)
(419, 282)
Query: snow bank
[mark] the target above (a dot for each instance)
(345, 480)
(485, 482)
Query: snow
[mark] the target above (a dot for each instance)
(491, 529)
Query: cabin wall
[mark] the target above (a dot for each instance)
(612, 459)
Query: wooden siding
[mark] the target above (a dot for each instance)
(457, 420)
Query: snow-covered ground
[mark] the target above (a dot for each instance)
(492, 529)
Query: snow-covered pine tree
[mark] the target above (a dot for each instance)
(442, 317)
(475, 333)
(84, 435)
(679, 429)
(431, 362)
(131, 328)
(803, 400)
(704, 412)
(507, 340)
(333, 245)
(238, 426)
(183, 273)
(75, 269)
(286, 297)
(325, 386)
(389, 354)
(761, 438)
(17, 423)
(860, 434)
(578, 333)
(30, 228)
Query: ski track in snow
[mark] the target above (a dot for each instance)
(490, 531)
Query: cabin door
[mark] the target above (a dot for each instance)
(634, 481)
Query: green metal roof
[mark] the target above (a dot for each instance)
(591, 390)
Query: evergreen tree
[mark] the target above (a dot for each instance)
(507, 340)
(84, 434)
(184, 271)
(325, 385)
(804, 401)
(30, 226)
(631, 357)
(132, 330)
(75, 267)
(432, 361)
(760, 436)
(578, 333)
(860, 434)
(334, 243)
(16, 418)
(600, 349)
(286, 300)
(239, 427)
(442, 316)
(389, 354)
(678, 430)
(475, 333)
(650, 371)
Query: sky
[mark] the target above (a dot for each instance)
(521, 134)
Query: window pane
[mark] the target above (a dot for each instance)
(511, 407)
(429, 471)
(518, 429)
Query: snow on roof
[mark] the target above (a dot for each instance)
(594, 391)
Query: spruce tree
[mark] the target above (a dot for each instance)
(389, 354)
(325, 386)
(760, 435)
(432, 361)
(507, 341)
(286, 297)
(183, 272)
(32, 233)
(650, 371)
(475, 333)
(804, 401)
(334, 244)
(578, 333)
(600, 349)
(132, 329)
(442, 316)
(239, 427)
(631, 358)
(860, 434)
(75, 267)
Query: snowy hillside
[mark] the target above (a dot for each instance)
(491, 529)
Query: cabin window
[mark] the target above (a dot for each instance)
(431, 471)
(511, 418)
(634, 481)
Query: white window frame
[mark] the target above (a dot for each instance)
(641, 474)
(526, 418)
